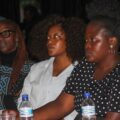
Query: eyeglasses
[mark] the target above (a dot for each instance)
(6, 33)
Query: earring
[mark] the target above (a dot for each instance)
(112, 50)
(111, 46)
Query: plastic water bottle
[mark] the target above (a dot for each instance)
(25, 109)
(88, 108)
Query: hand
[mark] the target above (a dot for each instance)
(12, 112)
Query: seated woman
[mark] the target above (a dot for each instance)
(14, 63)
(98, 73)
(47, 78)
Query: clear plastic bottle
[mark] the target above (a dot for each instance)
(88, 108)
(25, 109)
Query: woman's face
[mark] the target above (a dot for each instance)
(56, 43)
(97, 45)
(7, 39)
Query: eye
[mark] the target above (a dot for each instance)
(48, 37)
(6, 33)
(94, 39)
(58, 37)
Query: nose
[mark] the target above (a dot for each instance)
(51, 40)
(88, 45)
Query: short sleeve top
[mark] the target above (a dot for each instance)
(105, 92)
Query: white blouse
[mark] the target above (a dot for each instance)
(42, 87)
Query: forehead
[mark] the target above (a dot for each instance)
(55, 28)
(93, 28)
(5, 26)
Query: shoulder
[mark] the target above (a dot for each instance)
(83, 64)
(42, 64)
(29, 62)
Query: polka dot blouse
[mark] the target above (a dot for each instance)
(105, 92)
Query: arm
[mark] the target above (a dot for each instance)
(57, 109)
(112, 116)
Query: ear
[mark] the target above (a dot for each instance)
(113, 41)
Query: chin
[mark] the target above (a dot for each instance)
(90, 59)
(51, 55)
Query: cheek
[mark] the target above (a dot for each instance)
(11, 45)
(99, 47)
(62, 46)
(101, 51)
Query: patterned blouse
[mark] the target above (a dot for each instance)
(105, 92)
(5, 72)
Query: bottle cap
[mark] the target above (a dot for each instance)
(25, 97)
(87, 94)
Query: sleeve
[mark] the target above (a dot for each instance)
(114, 103)
(71, 82)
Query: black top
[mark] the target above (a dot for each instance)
(8, 58)
(105, 92)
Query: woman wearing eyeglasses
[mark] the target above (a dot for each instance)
(14, 63)
(47, 78)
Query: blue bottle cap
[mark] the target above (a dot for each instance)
(25, 97)
(87, 94)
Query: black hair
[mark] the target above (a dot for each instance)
(38, 36)
(111, 25)
(74, 28)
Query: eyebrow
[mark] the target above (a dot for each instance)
(7, 30)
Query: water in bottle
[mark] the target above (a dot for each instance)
(25, 109)
(88, 108)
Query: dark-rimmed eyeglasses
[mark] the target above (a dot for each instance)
(6, 33)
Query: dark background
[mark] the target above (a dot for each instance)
(11, 8)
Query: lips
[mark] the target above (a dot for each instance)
(50, 47)
(88, 54)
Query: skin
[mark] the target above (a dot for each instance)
(8, 44)
(96, 45)
(95, 52)
(56, 45)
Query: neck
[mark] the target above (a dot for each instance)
(109, 62)
(64, 60)
(7, 59)
(60, 64)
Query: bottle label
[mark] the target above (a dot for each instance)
(26, 112)
(88, 110)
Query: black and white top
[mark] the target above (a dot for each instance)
(105, 92)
